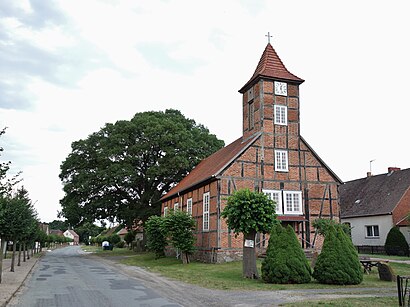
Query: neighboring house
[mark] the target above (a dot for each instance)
(56, 232)
(271, 156)
(72, 235)
(373, 205)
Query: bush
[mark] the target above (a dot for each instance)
(120, 244)
(396, 243)
(285, 261)
(156, 240)
(338, 263)
(179, 227)
(129, 237)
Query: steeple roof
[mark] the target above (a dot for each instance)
(271, 66)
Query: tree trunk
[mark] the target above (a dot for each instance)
(13, 256)
(249, 256)
(1, 256)
(24, 252)
(19, 255)
(185, 258)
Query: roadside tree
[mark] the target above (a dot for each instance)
(120, 172)
(248, 213)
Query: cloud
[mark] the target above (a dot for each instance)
(160, 56)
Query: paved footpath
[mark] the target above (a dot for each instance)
(12, 281)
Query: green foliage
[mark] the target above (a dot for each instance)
(248, 212)
(58, 225)
(120, 244)
(6, 182)
(285, 261)
(121, 172)
(338, 263)
(323, 225)
(86, 230)
(156, 235)
(179, 227)
(18, 218)
(396, 243)
(129, 237)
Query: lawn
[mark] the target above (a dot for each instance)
(350, 302)
(229, 275)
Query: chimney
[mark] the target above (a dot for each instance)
(369, 174)
(393, 169)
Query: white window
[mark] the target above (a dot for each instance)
(205, 214)
(372, 231)
(293, 202)
(281, 115)
(189, 206)
(176, 206)
(281, 160)
(165, 211)
(276, 196)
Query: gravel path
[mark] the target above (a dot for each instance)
(191, 295)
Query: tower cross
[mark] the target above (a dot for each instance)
(268, 36)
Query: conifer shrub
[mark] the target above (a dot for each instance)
(338, 263)
(285, 261)
(396, 243)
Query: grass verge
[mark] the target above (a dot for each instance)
(350, 302)
(229, 275)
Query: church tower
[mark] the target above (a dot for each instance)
(271, 109)
(271, 99)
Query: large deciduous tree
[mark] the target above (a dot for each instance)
(120, 172)
(249, 212)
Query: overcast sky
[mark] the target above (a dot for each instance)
(68, 67)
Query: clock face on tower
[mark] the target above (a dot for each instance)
(281, 88)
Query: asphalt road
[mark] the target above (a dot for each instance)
(65, 278)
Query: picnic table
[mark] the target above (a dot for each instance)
(368, 264)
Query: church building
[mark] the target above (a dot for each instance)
(271, 157)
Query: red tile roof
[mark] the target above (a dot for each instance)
(211, 166)
(271, 66)
(403, 222)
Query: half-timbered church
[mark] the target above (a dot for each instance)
(271, 156)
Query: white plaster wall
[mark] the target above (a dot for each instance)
(358, 224)
(406, 232)
(68, 235)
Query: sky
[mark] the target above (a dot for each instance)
(68, 67)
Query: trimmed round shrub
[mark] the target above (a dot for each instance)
(396, 243)
(338, 263)
(285, 261)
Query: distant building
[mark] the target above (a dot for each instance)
(44, 227)
(373, 205)
(271, 156)
(69, 233)
(56, 232)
